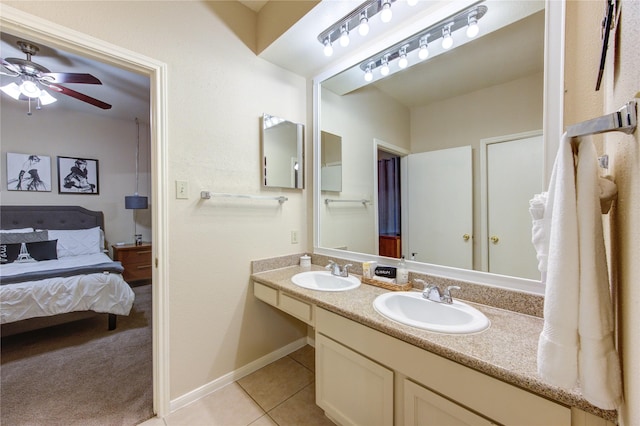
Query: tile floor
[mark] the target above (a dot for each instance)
(281, 393)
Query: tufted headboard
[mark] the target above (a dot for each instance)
(50, 217)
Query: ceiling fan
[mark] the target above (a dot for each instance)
(34, 78)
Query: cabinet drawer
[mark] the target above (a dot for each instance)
(135, 256)
(297, 308)
(265, 293)
(139, 271)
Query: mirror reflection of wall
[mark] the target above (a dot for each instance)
(331, 161)
(283, 153)
(490, 87)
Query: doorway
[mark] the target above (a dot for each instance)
(35, 29)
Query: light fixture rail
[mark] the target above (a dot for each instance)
(206, 195)
(624, 120)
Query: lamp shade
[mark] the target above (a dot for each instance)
(135, 202)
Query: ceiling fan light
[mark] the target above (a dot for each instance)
(46, 98)
(30, 89)
(12, 90)
(412, 2)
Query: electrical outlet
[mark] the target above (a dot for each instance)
(294, 237)
(182, 190)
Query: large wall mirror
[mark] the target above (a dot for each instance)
(282, 153)
(428, 144)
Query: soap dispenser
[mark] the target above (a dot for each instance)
(402, 276)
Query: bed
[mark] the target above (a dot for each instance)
(54, 268)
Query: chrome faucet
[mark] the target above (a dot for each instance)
(337, 270)
(432, 292)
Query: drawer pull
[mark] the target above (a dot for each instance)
(143, 252)
(143, 266)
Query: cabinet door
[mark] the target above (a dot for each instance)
(425, 408)
(351, 389)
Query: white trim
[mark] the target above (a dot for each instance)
(40, 30)
(234, 375)
(484, 205)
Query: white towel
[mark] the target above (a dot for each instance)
(558, 344)
(577, 338)
(598, 364)
(539, 236)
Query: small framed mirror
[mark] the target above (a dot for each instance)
(331, 161)
(282, 153)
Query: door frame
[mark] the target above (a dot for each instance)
(379, 144)
(40, 30)
(484, 205)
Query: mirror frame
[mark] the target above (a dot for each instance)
(552, 127)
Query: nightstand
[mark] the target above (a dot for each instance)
(136, 260)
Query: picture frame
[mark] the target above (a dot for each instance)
(78, 176)
(28, 172)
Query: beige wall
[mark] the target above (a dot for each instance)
(217, 90)
(112, 142)
(621, 83)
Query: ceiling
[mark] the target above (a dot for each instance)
(299, 51)
(127, 92)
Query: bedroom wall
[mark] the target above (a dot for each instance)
(217, 90)
(55, 132)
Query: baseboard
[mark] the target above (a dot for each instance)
(231, 377)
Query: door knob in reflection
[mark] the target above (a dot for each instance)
(494, 239)
(466, 237)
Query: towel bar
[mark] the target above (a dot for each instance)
(206, 195)
(624, 120)
(331, 200)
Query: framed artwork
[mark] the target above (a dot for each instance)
(28, 172)
(78, 176)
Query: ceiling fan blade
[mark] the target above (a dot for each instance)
(11, 67)
(80, 96)
(66, 77)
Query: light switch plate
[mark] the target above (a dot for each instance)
(182, 190)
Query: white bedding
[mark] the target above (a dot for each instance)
(100, 292)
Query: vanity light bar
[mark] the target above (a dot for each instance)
(425, 37)
(359, 16)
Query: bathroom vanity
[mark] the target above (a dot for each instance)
(371, 370)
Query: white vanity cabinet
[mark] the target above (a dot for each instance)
(427, 389)
(283, 301)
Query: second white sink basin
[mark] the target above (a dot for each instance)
(410, 308)
(324, 281)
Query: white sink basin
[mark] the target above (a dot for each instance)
(324, 281)
(410, 308)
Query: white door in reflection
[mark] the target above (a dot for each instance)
(440, 188)
(513, 176)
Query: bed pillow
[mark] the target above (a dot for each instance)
(76, 242)
(38, 250)
(23, 237)
(18, 230)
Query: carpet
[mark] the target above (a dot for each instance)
(80, 373)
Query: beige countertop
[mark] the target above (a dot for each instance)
(507, 350)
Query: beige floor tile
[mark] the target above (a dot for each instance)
(229, 406)
(264, 421)
(154, 421)
(305, 356)
(300, 409)
(276, 382)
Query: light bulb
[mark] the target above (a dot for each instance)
(29, 89)
(368, 75)
(403, 62)
(344, 37)
(473, 29)
(447, 40)
(328, 49)
(423, 53)
(363, 28)
(384, 70)
(386, 14)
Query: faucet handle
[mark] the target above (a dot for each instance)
(432, 292)
(345, 269)
(330, 265)
(446, 297)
